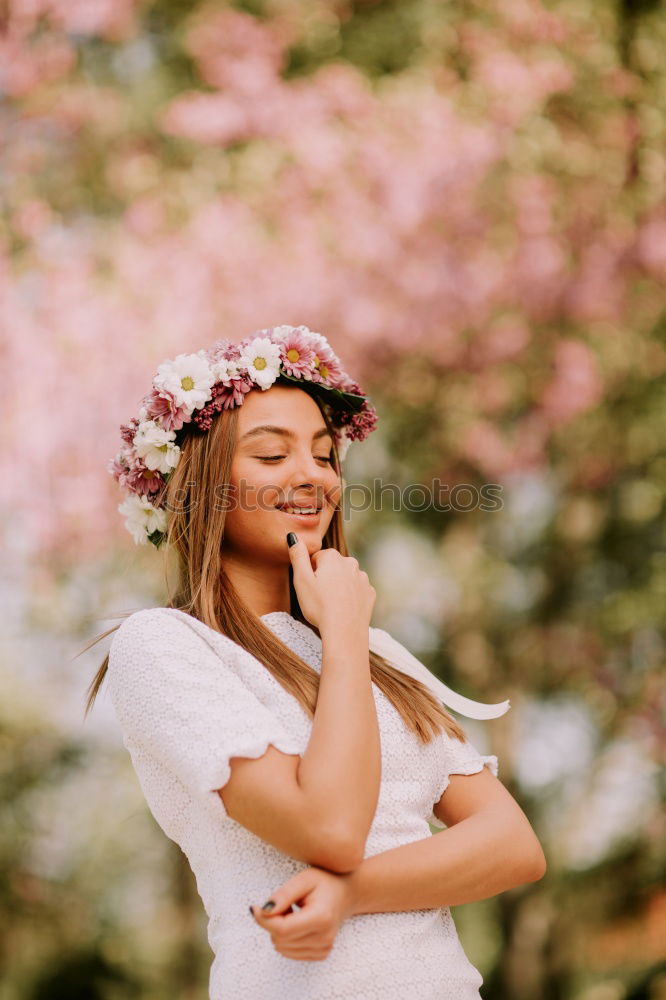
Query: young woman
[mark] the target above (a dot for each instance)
(294, 752)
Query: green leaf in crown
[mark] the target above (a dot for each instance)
(351, 400)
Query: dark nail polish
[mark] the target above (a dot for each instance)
(291, 539)
(269, 905)
(251, 911)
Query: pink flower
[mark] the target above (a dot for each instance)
(327, 368)
(128, 430)
(162, 406)
(224, 398)
(362, 423)
(356, 425)
(297, 356)
(223, 350)
(118, 468)
(142, 480)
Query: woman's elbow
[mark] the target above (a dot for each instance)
(539, 866)
(341, 860)
(517, 843)
(337, 852)
(531, 861)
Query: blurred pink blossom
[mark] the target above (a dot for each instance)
(483, 445)
(418, 215)
(32, 218)
(112, 19)
(208, 118)
(576, 385)
(504, 339)
(236, 51)
(651, 247)
(23, 66)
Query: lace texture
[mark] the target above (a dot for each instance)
(187, 699)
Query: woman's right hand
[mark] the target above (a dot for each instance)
(332, 590)
(325, 900)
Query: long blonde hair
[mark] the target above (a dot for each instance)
(195, 532)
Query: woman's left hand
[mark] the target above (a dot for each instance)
(308, 934)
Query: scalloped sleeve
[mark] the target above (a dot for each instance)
(459, 758)
(181, 703)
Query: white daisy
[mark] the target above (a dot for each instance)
(141, 518)
(261, 357)
(154, 445)
(188, 378)
(224, 370)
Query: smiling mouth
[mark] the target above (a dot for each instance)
(312, 512)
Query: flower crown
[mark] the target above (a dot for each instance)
(193, 388)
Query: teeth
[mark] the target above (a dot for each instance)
(299, 510)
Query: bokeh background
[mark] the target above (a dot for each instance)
(468, 199)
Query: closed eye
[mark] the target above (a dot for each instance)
(276, 458)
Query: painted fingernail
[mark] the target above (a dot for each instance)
(291, 539)
(251, 911)
(269, 905)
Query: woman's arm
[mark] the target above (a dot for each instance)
(319, 807)
(340, 772)
(489, 847)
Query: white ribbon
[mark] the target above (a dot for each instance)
(384, 644)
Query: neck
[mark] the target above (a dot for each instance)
(262, 588)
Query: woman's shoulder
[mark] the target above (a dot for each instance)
(142, 619)
(162, 656)
(163, 619)
(167, 633)
(143, 625)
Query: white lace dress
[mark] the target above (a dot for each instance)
(187, 699)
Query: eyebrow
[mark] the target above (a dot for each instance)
(270, 429)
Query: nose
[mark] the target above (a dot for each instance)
(308, 480)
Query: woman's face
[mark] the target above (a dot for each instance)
(286, 466)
